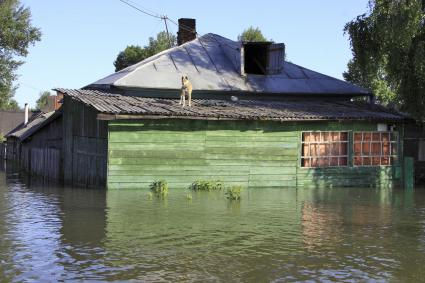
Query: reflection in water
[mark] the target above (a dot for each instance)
(51, 233)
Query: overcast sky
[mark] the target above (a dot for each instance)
(81, 38)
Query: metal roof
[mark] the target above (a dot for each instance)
(213, 63)
(294, 109)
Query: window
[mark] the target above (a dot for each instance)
(256, 57)
(375, 148)
(324, 149)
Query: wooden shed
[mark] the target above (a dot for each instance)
(255, 120)
(37, 145)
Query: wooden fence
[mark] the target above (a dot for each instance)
(44, 162)
(2, 150)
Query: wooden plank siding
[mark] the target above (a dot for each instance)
(45, 162)
(249, 153)
(3, 147)
(84, 146)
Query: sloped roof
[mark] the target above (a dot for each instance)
(212, 63)
(10, 119)
(221, 109)
(37, 122)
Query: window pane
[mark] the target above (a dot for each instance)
(366, 161)
(343, 161)
(357, 148)
(306, 150)
(366, 148)
(385, 137)
(334, 161)
(385, 148)
(376, 137)
(334, 149)
(376, 161)
(385, 161)
(367, 137)
(376, 149)
(335, 136)
(344, 149)
(357, 161)
(326, 136)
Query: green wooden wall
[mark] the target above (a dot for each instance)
(250, 153)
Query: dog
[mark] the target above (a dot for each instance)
(186, 90)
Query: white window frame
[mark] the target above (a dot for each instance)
(381, 155)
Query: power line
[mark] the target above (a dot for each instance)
(140, 10)
(165, 18)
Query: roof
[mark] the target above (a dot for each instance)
(213, 63)
(10, 119)
(37, 122)
(222, 109)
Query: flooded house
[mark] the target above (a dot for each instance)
(254, 120)
(36, 143)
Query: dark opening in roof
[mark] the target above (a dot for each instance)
(256, 57)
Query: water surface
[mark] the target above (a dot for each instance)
(49, 233)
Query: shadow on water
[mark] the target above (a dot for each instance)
(50, 233)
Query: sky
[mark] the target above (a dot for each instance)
(81, 38)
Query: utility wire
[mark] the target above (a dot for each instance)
(165, 18)
(140, 10)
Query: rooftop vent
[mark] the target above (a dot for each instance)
(262, 58)
(187, 31)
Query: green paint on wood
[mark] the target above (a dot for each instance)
(248, 153)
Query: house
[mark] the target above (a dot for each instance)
(9, 120)
(36, 144)
(256, 120)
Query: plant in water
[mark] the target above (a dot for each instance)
(234, 193)
(189, 196)
(202, 185)
(159, 188)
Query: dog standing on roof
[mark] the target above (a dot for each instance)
(186, 90)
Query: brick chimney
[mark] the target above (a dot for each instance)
(54, 102)
(187, 30)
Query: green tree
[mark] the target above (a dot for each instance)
(134, 54)
(42, 99)
(16, 35)
(252, 34)
(388, 46)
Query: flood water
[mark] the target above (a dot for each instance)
(50, 233)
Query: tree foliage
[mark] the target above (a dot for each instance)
(133, 54)
(16, 35)
(388, 46)
(42, 99)
(252, 34)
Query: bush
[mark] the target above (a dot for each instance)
(202, 185)
(2, 138)
(159, 188)
(234, 193)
